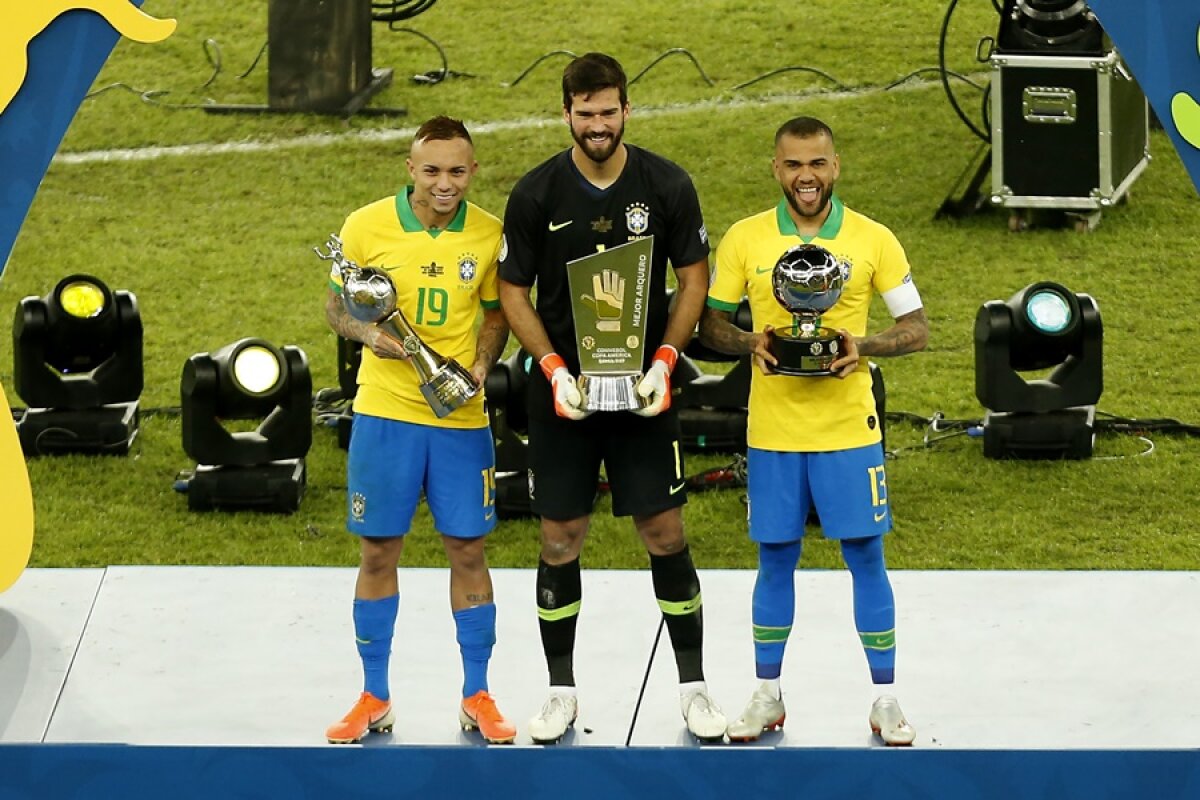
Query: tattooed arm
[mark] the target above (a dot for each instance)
(493, 333)
(718, 332)
(909, 334)
(348, 327)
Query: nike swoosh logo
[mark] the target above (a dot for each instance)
(560, 226)
(879, 517)
(489, 515)
(677, 489)
(763, 270)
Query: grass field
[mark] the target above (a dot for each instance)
(216, 244)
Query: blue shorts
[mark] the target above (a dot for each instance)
(848, 488)
(391, 462)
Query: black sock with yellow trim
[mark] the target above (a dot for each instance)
(677, 587)
(559, 597)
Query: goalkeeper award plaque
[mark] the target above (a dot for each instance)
(610, 298)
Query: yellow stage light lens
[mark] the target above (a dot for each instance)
(82, 299)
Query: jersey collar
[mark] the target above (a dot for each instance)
(410, 223)
(829, 230)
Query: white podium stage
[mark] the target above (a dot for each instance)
(250, 656)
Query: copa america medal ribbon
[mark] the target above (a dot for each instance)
(610, 298)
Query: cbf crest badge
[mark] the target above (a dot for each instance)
(847, 267)
(467, 265)
(358, 506)
(637, 218)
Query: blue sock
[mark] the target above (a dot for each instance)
(476, 634)
(774, 605)
(374, 622)
(874, 606)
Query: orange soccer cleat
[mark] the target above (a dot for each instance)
(479, 711)
(369, 714)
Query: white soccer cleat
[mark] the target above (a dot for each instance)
(704, 718)
(888, 722)
(557, 715)
(763, 713)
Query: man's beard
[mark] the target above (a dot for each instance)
(605, 150)
(826, 193)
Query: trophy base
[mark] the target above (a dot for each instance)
(611, 393)
(805, 356)
(448, 389)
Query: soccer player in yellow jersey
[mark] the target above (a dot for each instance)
(816, 440)
(441, 253)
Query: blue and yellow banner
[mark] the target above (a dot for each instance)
(1160, 42)
(50, 53)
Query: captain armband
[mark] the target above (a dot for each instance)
(903, 299)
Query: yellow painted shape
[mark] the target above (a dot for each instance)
(16, 501)
(1185, 111)
(21, 20)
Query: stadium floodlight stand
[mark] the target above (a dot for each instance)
(318, 60)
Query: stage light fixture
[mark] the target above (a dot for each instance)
(1060, 26)
(249, 379)
(349, 359)
(77, 364)
(1069, 123)
(319, 60)
(508, 417)
(1042, 327)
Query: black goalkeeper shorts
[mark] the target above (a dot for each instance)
(642, 459)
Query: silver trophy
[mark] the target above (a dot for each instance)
(807, 281)
(369, 295)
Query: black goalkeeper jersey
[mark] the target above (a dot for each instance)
(555, 215)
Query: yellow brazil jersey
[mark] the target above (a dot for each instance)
(800, 414)
(442, 276)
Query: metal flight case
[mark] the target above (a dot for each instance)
(1068, 132)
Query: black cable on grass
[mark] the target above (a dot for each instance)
(924, 70)
(1133, 425)
(671, 52)
(945, 74)
(537, 61)
(212, 52)
(145, 95)
(798, 68)
(258, 57)
(434, 75)
(399, 10)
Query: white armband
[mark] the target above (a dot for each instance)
(903, 299)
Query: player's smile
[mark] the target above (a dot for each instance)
(599, 145)
(445, 200)
(807, 194)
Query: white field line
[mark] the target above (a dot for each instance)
(383, 136)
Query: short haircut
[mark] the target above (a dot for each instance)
(590, 73)
(803, 128)
(443, 129)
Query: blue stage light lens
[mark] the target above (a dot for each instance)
(1048, 311)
